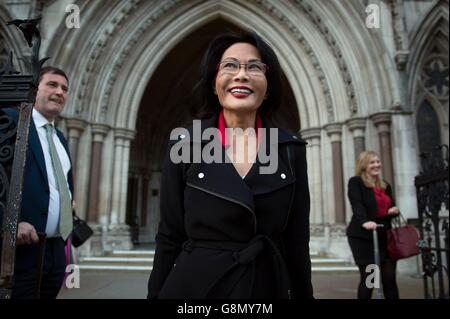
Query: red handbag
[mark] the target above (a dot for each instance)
(402, 240)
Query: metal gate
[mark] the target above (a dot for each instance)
(432, 200)
(16, 91)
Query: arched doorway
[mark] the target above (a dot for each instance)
(165, 105)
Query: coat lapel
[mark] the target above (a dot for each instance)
(222, 179)
(219, 179)
(35, 145)
(284, 174)
(261, 183)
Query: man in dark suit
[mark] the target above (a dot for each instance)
(47, 193)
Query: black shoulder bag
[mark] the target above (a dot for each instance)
(81, 231)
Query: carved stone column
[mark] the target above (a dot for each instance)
(334, 131)
(312, 136)
(119, 232)
(382, 122)
(115, 196)
(357, 127)
(74, 128)
(99, 132)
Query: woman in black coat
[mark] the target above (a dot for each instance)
(372, 204)
(234, 228)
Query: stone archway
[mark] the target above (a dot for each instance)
(165, 105)
(321, 47)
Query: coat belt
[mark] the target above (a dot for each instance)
(244, 255)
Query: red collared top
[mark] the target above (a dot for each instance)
(222, 126)
(384, 202)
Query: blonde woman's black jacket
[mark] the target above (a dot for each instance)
(224, 237)
(364, 207)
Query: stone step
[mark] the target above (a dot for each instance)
(330, 262)
(151, 253)
(132, 253)
(121, 268)
(125, 261)
(149, 260)
(348, 268)
(126, 268)
(142, 261)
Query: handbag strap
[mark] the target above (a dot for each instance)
(74, 215)
(398, 221)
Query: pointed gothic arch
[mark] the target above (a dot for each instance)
(166, 104)
(304, 36)
(334, 65)
(432, 32)
(428, 87)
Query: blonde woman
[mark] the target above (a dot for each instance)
(372, 203)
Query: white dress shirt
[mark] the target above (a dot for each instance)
(52, 228)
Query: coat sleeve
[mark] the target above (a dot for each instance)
(389, 193)
(355, 197)
(296, 235)
(171, 233)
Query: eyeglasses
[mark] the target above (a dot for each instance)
(256, 68)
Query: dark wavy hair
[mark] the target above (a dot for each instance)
(206, 102)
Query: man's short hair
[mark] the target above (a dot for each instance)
(52, 70)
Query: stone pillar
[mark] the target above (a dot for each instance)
(334, 131)
(119, 233)
(99, 132)
(115, 199)
(357, 127)
(382, 122)
(74, 128)
(127, 137)
(312, 136)
(406, 162)
(121, 164)
(139, 199)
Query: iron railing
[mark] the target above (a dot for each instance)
(432, 200)
(16, 91)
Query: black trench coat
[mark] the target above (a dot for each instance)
(221, 236)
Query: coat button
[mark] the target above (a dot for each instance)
(201, 175)
(294, 136)
(283, 176)
(182, 136)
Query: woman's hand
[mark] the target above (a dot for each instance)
(369, 225)
(393, 211)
